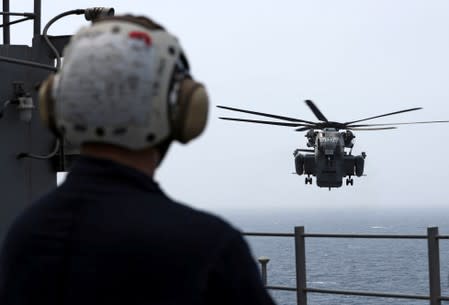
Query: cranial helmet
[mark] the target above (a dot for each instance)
(125, 81)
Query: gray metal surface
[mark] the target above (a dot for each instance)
(22, 181)
(25, 179)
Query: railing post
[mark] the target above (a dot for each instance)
(263, 260)
(6, 31)
(37, 18)
(300, 256)
(434, 265)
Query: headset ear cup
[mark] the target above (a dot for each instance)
(47, 104)
(193, 105)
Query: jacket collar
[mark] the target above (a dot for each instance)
(108, 171)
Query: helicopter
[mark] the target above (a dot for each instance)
(329, 157)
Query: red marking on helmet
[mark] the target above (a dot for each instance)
(142, 36)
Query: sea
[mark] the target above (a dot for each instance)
(381, 265)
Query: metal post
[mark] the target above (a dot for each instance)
(263, 260)
(434, 265)
(37, 18)
(6, 32)
(300, 256)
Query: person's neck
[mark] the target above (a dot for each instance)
(145, 160)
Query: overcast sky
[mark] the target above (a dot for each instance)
(354, 58)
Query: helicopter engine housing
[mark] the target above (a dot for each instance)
(309, 164)
(359, 165)
(354, 165)
(299, 164)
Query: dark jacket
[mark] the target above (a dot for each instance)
(109, 235)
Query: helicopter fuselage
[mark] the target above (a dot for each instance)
(329, 162)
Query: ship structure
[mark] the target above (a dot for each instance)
(30, 156)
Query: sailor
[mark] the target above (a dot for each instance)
(109, 234)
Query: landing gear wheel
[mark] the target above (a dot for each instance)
(308, 180)
(349, 181)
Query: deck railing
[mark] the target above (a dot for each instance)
(302, 290)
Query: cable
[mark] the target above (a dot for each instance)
(49, 156)
(47, 26)
(15, 21)
(26, 63)
(89, 14)
(5, 105)
(31, 15)
(95, 12)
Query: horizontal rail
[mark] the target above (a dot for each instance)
(383, 236)
(359, 293)
(326, 235)
(31, 15)
(268, 234)
(27, 63)
(370, 294)
(280, 288)
(15, 21)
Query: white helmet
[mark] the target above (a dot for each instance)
(125, 81)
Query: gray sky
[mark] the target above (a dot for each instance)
(353, 58)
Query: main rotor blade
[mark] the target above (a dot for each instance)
(304, 128)
(380, 128)
(382, 115)
(266, 115)
(264, 122)
(406, 123)
(316, 111)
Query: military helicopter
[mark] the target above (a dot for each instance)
(329, 156)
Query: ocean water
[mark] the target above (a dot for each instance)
(383, 265)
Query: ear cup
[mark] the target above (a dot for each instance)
(191, 117)
(47, 104)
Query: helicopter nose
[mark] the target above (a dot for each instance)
(329, 152)
(329, 148)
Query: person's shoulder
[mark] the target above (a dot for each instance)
(30, 219)
(35, 207)
(42, 205)
(205, 221)
(207, 217)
